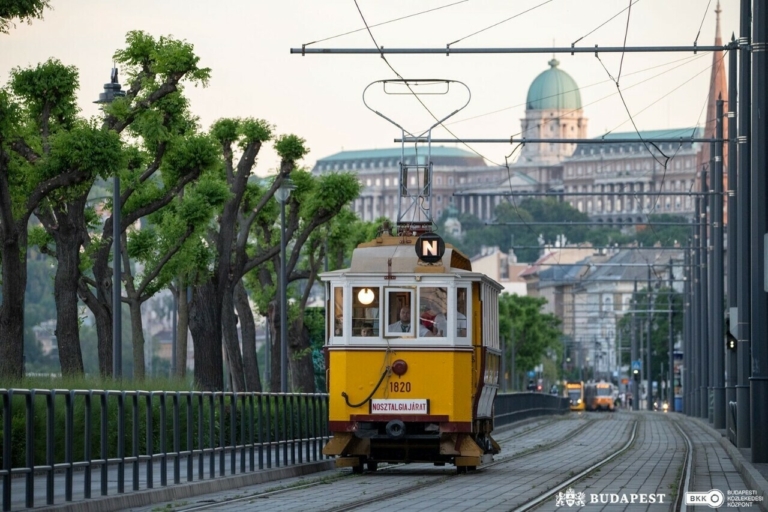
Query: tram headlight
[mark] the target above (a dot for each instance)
(365, 296)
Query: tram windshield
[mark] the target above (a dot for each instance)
(574, 394)
(433, 307)
(603, 391)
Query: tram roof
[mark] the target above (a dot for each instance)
(397, 255)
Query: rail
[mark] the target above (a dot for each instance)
(512, 407)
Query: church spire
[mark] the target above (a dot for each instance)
(718, 89)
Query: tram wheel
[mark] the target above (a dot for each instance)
(460, 470)
(358, 469)
(372, 466)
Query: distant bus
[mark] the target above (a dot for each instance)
(574, 391)
(599, 395)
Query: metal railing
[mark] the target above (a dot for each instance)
(512, 407)
(52, 433)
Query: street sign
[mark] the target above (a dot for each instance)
(637, 365)
(531, 374)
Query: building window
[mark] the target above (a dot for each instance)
(439, 180)
(386, 182)
(450, 181)
(439, 199)
(368, 183)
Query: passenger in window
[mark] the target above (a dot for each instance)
(367, 330)
(404, 324)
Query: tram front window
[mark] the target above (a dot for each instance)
(365, 311)
(433, 307)
(603, 392)
(574, 395)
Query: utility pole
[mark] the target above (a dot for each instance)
(733, 222)
(704, 302)
(670, 344)
(634, 355)
(759, 378)
(743, 270)
(649, 348)
(718, 337)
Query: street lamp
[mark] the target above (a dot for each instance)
(282, 194)
(111, 92)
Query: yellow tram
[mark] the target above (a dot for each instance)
(412, 354)
(574, 391)
(599, 395)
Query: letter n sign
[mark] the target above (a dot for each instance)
(430, 247)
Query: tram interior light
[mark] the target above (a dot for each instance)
(365, 296)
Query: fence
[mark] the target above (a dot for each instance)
(512, 407)
(43, 430)
(73, 437)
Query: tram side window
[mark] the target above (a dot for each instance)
(461, 312)
(365, 311)
(433, 309)
(399, 313)
(338, 311)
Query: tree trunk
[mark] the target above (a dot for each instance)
(231, 341)
(205, 325)
(137, 336)
(248, 334)
(14, 284)
(181, 332)
(101, 307)
(68, 243)
(302, 370)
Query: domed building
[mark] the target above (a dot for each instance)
(552, 110)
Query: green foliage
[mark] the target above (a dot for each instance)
(535, 334)
(85, 148)
(666, 235)
(291, 147)
(186, 154)
(48, 89)
(23, 10)
(168, 57)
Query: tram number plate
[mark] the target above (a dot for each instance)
(400, 387)
(390, 406)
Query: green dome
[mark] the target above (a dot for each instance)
(553, 89)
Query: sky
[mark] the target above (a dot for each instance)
(247, 43)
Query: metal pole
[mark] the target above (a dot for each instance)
(733, 222)
(759, 378)
(513, 354)
(696, 318)
(744, 272)
(710, 230)
(704, 304)
(283, 307)
(446, 51)
(503, 365)
(649, 349)
(688, 335)
(174, 331)
(718, 336)
(670, 346)
(633, 351)
(117, 325)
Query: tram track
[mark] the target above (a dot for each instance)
(393, 469)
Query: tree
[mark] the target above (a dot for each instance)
(42, 150)
(23, 10)
(171, 155)
(536, 334)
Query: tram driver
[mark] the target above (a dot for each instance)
(404, 323)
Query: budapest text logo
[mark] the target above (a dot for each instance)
(571, 498)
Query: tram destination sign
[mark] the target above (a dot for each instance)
(400, 406)
(430, 247)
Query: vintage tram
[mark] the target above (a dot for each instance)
(412, 355)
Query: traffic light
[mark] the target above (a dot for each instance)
(730, 343)
(636, 375)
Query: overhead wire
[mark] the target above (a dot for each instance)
(386, 22)
(499, 23)
(603, 24)
(702, 23)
